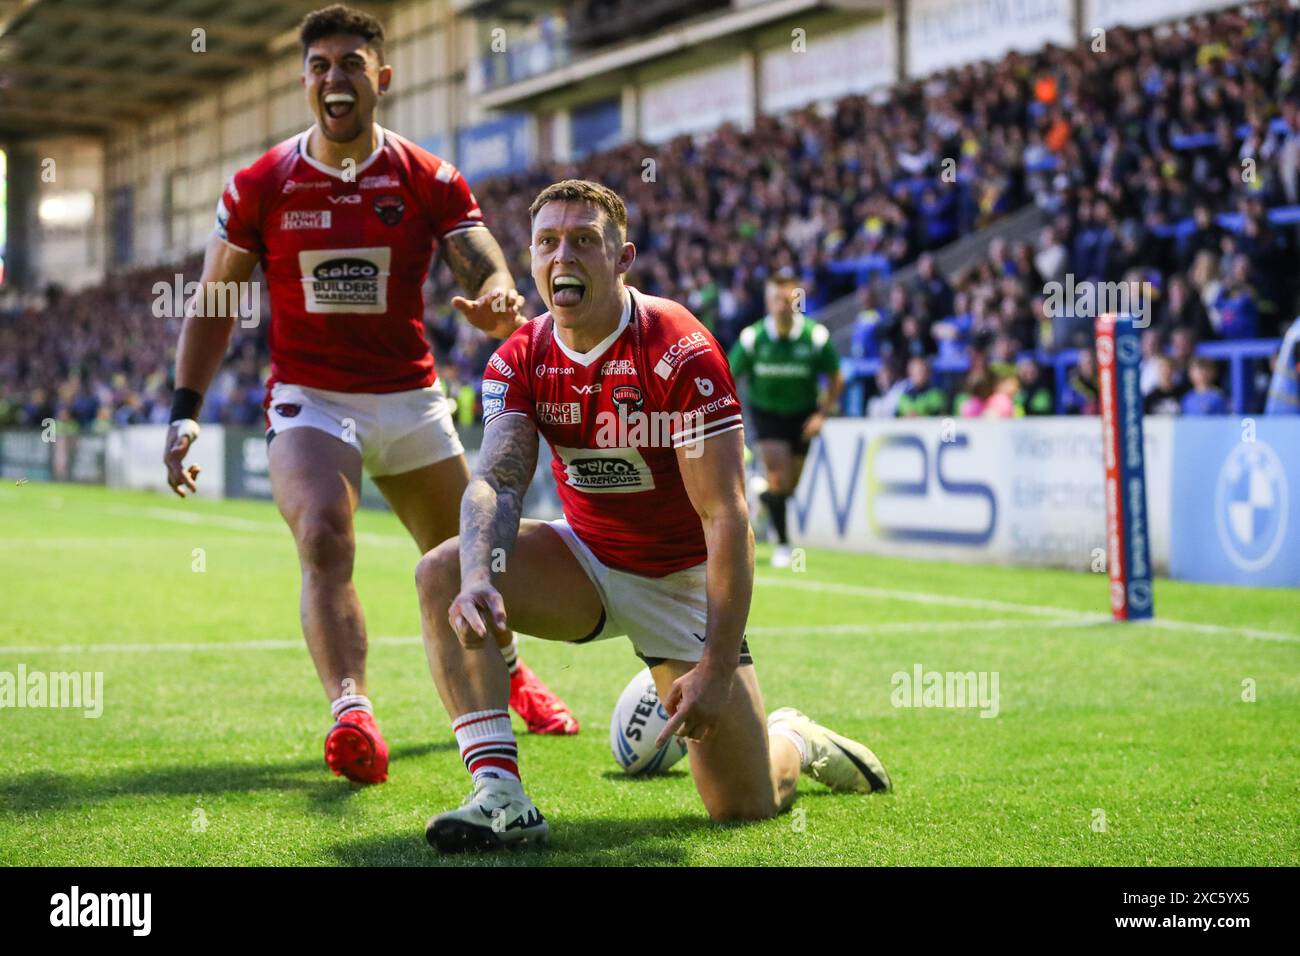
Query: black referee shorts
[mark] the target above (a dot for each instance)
(778, 426)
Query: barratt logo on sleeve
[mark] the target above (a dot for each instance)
(682, 351)
(345, 280)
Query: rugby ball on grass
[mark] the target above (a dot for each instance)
(638, 718)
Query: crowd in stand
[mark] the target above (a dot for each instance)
(1168, 161)
(1174, 177)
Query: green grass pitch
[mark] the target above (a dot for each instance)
(1112, 744)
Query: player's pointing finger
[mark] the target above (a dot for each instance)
(670, 728)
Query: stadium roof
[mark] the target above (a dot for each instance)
(727, 26)
(87, 66)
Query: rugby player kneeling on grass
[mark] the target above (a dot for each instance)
(639, 408)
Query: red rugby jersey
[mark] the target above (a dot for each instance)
(345, 258)
(614, 417)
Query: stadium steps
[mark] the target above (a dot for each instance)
(840, 315)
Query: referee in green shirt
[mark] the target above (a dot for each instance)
(784, 356)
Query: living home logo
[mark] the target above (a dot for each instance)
(72, 690)
(1251, 505)
(305, 219)
(75, 908)
(559, 413)
(950, 689)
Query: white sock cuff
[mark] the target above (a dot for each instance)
(792, 735)
(350, 702)
(482, 725)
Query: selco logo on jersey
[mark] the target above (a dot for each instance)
(605, 470)
(682, 351)
(346, 269)
(345, 280)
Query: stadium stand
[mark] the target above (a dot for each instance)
(1172, 162)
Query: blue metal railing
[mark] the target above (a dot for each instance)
(1237, 355)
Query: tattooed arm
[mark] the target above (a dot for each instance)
(480, 268)
(489, 524)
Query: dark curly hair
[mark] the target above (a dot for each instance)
(340, 19)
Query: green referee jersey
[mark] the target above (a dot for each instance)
(783, 371)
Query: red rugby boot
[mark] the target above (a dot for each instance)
(354, 748)
(542, 711)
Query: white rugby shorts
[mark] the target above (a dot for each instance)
(395, 432)
(665, 617)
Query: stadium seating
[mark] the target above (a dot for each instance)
(1175, 162)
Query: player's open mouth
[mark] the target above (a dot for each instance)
(338, 104)
(567, 291)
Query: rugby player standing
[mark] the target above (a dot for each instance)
(784, 356)
(655, 542)
(344, 219)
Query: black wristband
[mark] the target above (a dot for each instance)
(186, 403)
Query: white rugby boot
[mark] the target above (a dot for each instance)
(497, 814)
(781, 556)
(840, 763)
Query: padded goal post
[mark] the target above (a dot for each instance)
(1128, 551)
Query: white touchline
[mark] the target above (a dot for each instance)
(1065, 614)
(279, 644)
(902, 627)
(269, 644)
(245, 524)
(1083, 617)
(917, 597)
(825, 630)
